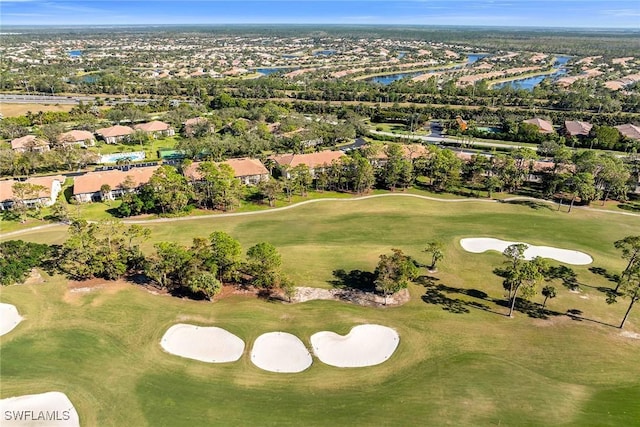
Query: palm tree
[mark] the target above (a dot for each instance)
(435, 249)
(548, 292)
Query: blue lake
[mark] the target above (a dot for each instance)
(390, 78)
(267, 71)
(530, 82)
(75, 53)
(474, 57)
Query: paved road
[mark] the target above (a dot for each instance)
(72, 100)
(442, 139)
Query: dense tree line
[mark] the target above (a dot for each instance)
(17, 258)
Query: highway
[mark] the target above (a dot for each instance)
(443, 139)
(69, 100)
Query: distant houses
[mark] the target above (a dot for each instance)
(629, 131)
(51, 188)
(156, 129)
(192, 126)
(542, 125)
(29, 143)
(114, 134)
(248, 171)
(577, 128)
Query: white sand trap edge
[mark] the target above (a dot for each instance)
(9, 318)
(280, 352)
(364, 345)
(482, 244)
(51, 409)
(204, 343)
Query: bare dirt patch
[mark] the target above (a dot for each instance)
(629, 334)
(34, 278)
(77, 289)
(13, 110)
(353, 296)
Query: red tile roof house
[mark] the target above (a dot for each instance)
(314, 161)
(156, 129)
(542, 125)
(52, 187)
(630, 131)
(188, 127)
(577, 128)
(248, 171)
(82, 138)
(86, 188)
(114, 134)
(29, 143)
(410, 152)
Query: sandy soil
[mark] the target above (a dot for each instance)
(52, 409)
(280, 352)
(364, 345)
(206, 344)
(353, 296)
(567, 256)
(14, 110)
(9, 318)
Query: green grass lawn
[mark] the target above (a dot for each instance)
(460, 361)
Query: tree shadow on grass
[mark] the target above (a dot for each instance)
(575, 314)
(603, 272)
(439, 295)
(530, 203)
(354, 279)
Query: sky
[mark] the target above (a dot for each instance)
(515, 13)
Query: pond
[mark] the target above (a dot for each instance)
(273, 70)
(530, 82)
(474, 57)
(75, 53)
(390, 78)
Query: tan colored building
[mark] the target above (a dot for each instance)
(314, 161)
(189, 126)
(86, 188)
(29, 143)
(52, 186)
(630, 131)
(82, 138)
(114, 134)
(577, 128)
(542, 125)
(156, 129)
(248, 171)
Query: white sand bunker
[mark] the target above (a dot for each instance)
(280, 352)
(364, 345)
(482, 244)
(207, 344)
(52, 409)
(9, 318)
